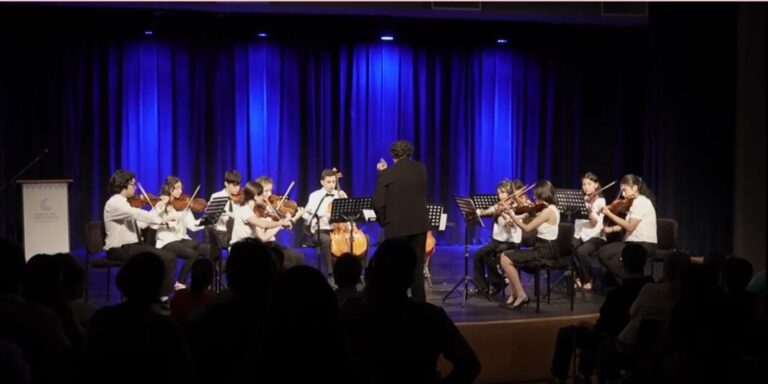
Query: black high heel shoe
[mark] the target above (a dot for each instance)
(519, 304)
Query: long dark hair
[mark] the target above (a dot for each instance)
(642, 188)
(544, 190)
(168, 185)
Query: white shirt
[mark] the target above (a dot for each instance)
(242, 229)
(506, 233)
(176, 229)
(120, 221)
(322, 210)
(642, 209)
(583, 230)
(221, 225)
(548, 231)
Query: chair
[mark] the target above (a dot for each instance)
(564, 262)
(666, 233)
(95, 235)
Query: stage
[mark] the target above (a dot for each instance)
(513, 345)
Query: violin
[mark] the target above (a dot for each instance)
(139, 201)
(266, 211)
(287, 207)
(530, 209)
(196, 205)
(618, 207)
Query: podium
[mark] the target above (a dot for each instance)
(45, 216)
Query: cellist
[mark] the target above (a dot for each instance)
(317, 215)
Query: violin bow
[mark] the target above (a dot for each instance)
(144, 194)
(192, 197)
(285, 195)
(606, 187)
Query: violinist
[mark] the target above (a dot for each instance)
(588, 236)
(217, 233)
(292, 258)
(247, 223)
(639, 224)
(546, 223)
(121, 222)
(506, 236)
(173, 236)
(317, 215)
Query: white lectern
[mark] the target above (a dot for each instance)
(45, 213)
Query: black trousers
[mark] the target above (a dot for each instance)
(583, 250)
(187, 250)
(218, 240)
(324, 247)
(569, 338)
(291, 257)
(127, 251)
(610, 254)
(486, 261)
(419, 243)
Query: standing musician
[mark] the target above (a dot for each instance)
(316, 217)
(506, 236)
(546, 223)
(173, 236)
(246, 221)
(292, 258)
(217, 233)
(123, 239)
(640, 223)
(400, 202)
(588, 234)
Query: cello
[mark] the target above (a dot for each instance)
(346, 238)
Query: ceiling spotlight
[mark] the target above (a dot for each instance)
(387, 38)
(262, 34)
(148, 32)
(501, 41)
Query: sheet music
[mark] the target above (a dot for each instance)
(369, 215)
(443, 221)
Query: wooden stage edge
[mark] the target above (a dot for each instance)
(515, 350)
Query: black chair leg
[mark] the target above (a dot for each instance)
(549, 287)
(109, 278)
(571, 287)
(537, 289)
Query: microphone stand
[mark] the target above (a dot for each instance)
(16, 177)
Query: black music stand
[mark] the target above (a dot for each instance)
(485, 201)
(435, 214)
(571, 204)
(350, 210)
(469, 213)
(214, 210)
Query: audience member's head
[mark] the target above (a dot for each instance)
(392, 269)
(347, 270)
(141, 278)
(278, 254)
(674, 264)
(735, 275)
(72, 277)
(42, 280)
(633, 258)
(302, 293)
(11, 267)
(251, 268)
(202, 276)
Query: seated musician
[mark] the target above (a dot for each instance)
(506, 236)
(546, 223)
(639, 225)
(247, 223)
(173, 236)
(588, 234)
(123, 236)
(292, 258)
(217, 233)
(317, 215)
